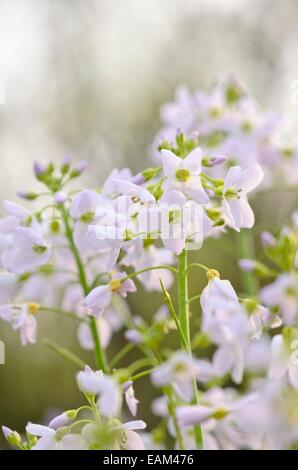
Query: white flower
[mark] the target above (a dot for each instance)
(130, 398)
(133, 440)
(184, 174)
(103, 386)
(8, 286)
(218, 294)
(22, 318)
(226, 324)
(235, 204)
(180, 371)
(282, 293)
(49, 439)
(110, 188)
(100, 297)
(83, 211)
(282, 361)
(28, 250)
(143, 257)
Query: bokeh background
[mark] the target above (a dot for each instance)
(87, 78)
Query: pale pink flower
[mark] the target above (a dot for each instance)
(28, 250)
(104, 387)
(237, 185)
(184, 174)
(22, 319)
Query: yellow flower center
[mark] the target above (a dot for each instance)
(220, 413)
(33, 308)
(115, 285)
(212, 273)
(182, 175)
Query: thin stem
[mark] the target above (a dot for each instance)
(97, 278)
(99, 352)
(136, 273)
(246, 249)
(65, 353)
(195, 297)
(196, 265)
(141, 374)
(172, 310)
(80, 422)
(139, 363)
(183, 296)
(184, 322)
(121, 354)
(59, 311)
(172, 412)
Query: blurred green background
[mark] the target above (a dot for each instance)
(87, 79)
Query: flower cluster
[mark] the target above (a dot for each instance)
(232, 382)
(229, 124)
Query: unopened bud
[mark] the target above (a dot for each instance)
(39, 169)
(248, 265)
(253, 266)
(65, 166)
(61, 420)
(213, 160)
(11, 436)
(134, 336)
(60, 197)
(78, 169)
(267, 239)
(27, 195)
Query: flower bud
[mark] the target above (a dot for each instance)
(60, 421)
(134, 336)
(65, 166)
(78, 169)
(267, 239)
(60, 197)
(248, 265)
(27, 195)
(39, 169)
(213, 160)
(11, 436)
(253, 266)
(55, 226)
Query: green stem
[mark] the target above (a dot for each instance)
(196, 265)
(183, 296)
(136, 273)
(172, 310)
(65, 353)
(79, 423)
(172, 412)
(195, 297)
(246, 249)
(121, 354)
(144, 373)
(64, 313)
(183, 302)
(138, 364)
(99, 352)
